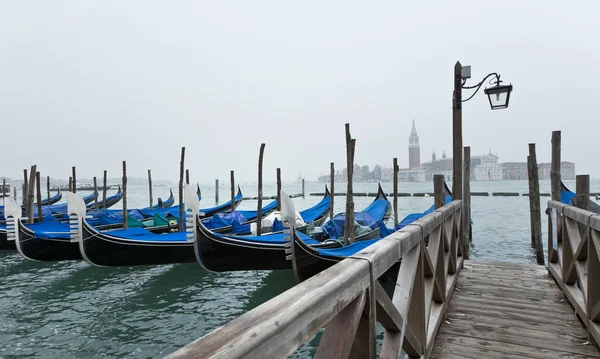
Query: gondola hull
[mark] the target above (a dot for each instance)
(5, 244)
(102, 249)
(46, 249)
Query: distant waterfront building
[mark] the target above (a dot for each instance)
(483, 168)
(518, 171)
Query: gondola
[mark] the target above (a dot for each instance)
(52, 200)
(315, 215)
(308, 260)
(220, 253)
(568, 197)
(134, 246)
(166, 203)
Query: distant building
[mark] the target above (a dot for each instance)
(518, 171)
(483, 168)
(414, 149)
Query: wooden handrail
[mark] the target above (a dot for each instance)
(574, 260)
(347, 299)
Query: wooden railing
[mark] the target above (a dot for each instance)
(573, 260)
(348, 300)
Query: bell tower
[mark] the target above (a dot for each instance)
(414, 149)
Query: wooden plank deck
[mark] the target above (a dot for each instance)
(506, 310)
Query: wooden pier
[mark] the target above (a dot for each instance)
(507, 310)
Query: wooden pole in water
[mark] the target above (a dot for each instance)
(466, 213)
(232, 180)
(259, 208)
(332, 189)
(39, 196)
(15, 192)
(95, 192)
(187, 176)
(74, 180)
(4, 195)
(150, 187)
(31, 193)
(125, 194)
(48, 187)
(278, 189)
(582, 192)
(349, 222)
(70, 184)
(104, 190)
(534, 204)
(217, 191)
(303, 192)
(555, 166)
(439, 195)
(181, 167)
(25, 181)
(395, 190)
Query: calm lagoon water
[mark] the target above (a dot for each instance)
(74, 310)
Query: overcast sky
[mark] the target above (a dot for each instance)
(93, 83)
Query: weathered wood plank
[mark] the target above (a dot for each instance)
(496, 349)
(509, 311)
(339, 334)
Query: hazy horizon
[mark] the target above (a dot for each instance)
(90, 84)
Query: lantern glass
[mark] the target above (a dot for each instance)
(499, 96)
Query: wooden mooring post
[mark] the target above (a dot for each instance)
(582, 192)
(4, 194)
(150, 187)
(70, 184)
(95, 192)
(181, 167)
(395, 165)
(104, 190)
(74, 180)
(39, 196)
(466, 214)
(124, 180)
(48, 188)
(349, 222)
(534, 204)
(187, 176)
(31, 193)
(303, 189)
(217, 190)
(555, 190)
(232, 180)
(332, 190)
(25, 182)
(15, 192)
(279, 189)
(259, 206)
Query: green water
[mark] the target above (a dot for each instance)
(74, 310)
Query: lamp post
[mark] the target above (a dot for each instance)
(498, 96)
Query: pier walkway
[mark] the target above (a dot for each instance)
(442, 306)
(506, 310)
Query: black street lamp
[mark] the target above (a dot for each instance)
(498, 96)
